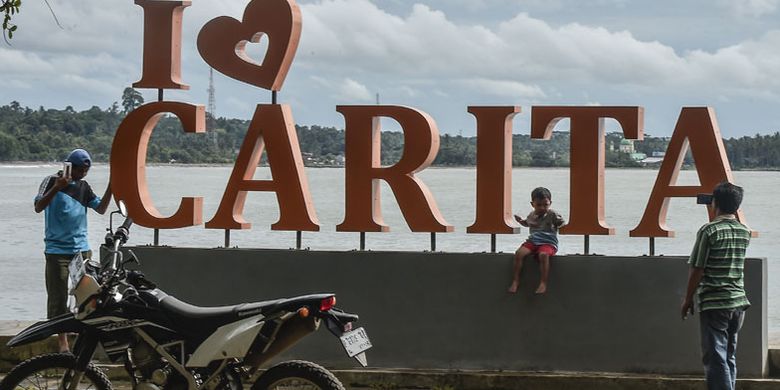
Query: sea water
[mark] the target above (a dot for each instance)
(22, 291)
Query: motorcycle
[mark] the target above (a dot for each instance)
(167, 344)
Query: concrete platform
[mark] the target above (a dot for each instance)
(399, 379)
(477, 380)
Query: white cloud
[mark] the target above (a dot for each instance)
(352, 91)
(19, 64)
(751, 8)
(423, 43)
(522, 49)
(408, 91)
(748, 66)
(504, 88)
(346, 90)
(431, 54)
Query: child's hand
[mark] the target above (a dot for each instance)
(519, 219)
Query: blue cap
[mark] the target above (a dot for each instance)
(79, 158)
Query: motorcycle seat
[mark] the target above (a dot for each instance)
(200, 321)
(185, 315)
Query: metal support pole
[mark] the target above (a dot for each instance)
(273, 97)
(159, 94)
(493, 243)
(587, 244)
(298, 239)
(652, 246)
(156, 237)
(362, 241)
(227, 238)
(433, 242)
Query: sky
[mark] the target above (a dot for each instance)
(438, 56)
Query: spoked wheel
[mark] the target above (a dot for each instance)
(297, 375)
(53, 372)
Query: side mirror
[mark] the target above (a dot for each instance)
(122, 208)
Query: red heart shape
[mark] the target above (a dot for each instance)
(222, 41)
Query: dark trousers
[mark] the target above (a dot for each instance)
(57, 282)
(719, 330)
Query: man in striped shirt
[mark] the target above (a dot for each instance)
(716, 276)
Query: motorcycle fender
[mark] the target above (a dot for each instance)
(336, 319)
(229, 341)
(292, 331)
(65, 323)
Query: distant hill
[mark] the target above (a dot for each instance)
(48, 135)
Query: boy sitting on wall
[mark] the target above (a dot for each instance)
(543, 224)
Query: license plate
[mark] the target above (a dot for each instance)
(76, 271)
(355, 341)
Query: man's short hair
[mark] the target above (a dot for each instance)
(727, 197)
(541, 193)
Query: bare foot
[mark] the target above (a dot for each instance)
(62, 339)
(513, 288)
(541, 289)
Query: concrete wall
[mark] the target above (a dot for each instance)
(451, 310)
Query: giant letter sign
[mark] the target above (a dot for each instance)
(128, 164)
(162, 44)
(494, 170)
(586, 207)
(698, 128)
(274, 124)
(363, 169)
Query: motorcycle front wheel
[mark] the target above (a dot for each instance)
(299, 375)
(52, 371)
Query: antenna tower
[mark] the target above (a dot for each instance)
(212, 100)
(212, 109)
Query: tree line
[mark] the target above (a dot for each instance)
(42, 134)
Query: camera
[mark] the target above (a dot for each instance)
(704, 199)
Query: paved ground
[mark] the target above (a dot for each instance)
(449, 380)
(400, 380)
(10, 328)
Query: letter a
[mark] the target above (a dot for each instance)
(128, 164)
(695, 126)
(272, 124)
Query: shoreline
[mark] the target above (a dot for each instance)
(36, 164)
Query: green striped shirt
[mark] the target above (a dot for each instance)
(720, 250)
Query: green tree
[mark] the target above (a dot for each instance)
(541, 158)
(131, 99)
(8, 8)
(9, 148)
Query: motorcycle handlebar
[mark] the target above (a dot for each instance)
(123, 232)
(127, 223)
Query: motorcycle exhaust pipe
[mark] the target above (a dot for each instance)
(290, 332)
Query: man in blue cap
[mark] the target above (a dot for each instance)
(65, 200)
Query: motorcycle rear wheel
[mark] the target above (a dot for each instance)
(47, 372)
(299, 375)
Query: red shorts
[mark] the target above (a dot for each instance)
(544, 248)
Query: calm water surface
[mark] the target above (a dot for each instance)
(22, 293)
